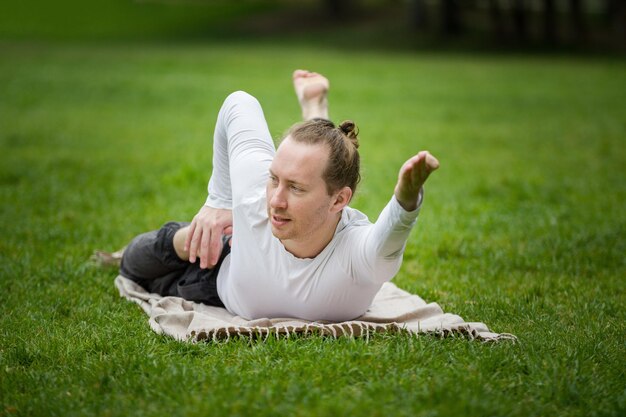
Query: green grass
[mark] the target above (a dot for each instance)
(523, 228)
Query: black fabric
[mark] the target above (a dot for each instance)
(151, 261)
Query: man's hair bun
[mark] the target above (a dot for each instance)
(351, 131)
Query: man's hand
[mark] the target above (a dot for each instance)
(412, 177)
(204, 238)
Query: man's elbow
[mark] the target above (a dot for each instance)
(241, 98)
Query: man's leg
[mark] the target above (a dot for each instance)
(154, 261)
(151, 260)
(312, 92)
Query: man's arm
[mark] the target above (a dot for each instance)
(377, 252)
(214, 219)
(243, 150)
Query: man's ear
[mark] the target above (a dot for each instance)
(342, 198)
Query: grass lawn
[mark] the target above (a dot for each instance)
(523, 228)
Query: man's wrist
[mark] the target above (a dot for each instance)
(412, 206)
(412, 203)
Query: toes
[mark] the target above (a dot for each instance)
(300, 73)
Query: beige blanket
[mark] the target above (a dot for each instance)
(392, 309)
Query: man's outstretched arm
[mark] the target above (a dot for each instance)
(377, 253)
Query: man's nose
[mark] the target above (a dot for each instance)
(278, 199)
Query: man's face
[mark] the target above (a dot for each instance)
(298, 204)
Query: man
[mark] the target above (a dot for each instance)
(298, 249)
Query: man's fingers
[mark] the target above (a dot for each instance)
(412, 177)
(204, 247)
(193, 247)
(204, 239)
(426, 162)
(410, 173)
(432, 162)
(416, 170)
(215, 249)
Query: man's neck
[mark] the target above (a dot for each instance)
(312, 245)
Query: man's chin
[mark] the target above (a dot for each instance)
(276, 232)
(279, 233)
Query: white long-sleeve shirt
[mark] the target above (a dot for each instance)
(260, 278)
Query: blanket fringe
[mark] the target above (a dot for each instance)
(352, 330)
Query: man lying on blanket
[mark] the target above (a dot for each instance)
(297, 248)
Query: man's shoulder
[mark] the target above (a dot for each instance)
(352, 228)
(352, 217)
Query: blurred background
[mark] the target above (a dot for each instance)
(588, 25)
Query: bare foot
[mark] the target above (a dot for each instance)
(312, 92)
(412, 177)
